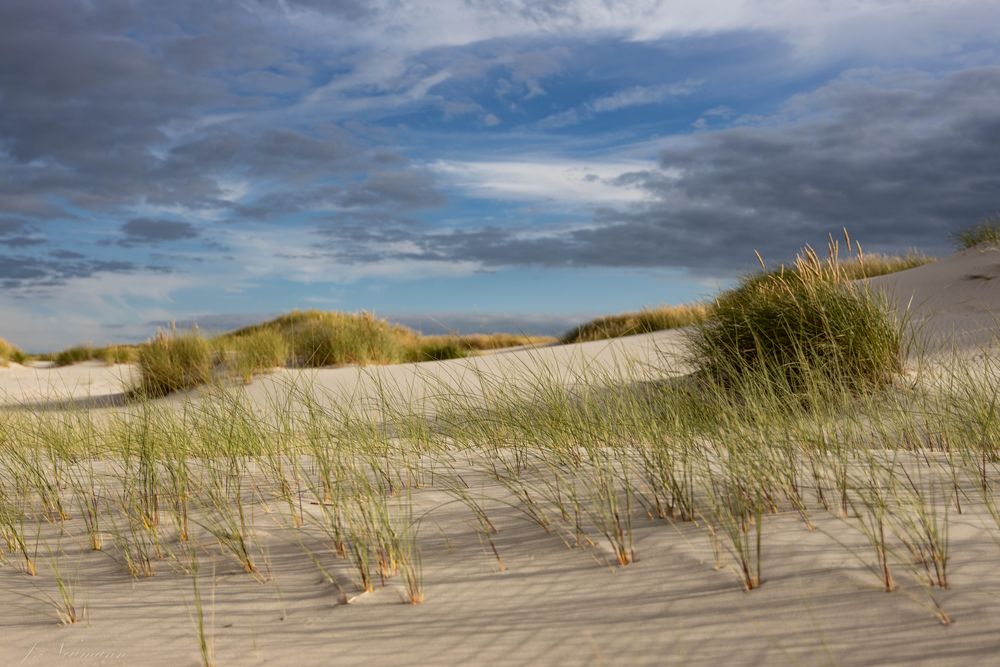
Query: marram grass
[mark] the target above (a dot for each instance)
(109, 354)
(856, 267)
(985, 232)
(254, 352)
(599, 462)
(799, 325)
(643, 321)
(10, 352)
(174, 361)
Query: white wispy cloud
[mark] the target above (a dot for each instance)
(545, 179)
(642, 96)
(634, 96)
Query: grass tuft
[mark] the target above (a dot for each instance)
(254, 353)
(872, 265)
(437, 348)
(109, 354)
(643, 321)
(174, 361)
(497, 341)
(985, 232)
(799, 326)
(10, 352)
(320, 338)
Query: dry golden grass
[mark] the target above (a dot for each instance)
(495, 341)
(870, 266)
(324, 338)
(986, 232)
(794, 325)
(10, 352)
(174, 361)
(643, 321)
(109, 354)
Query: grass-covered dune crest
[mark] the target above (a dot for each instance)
(639, 322)
(174, 360)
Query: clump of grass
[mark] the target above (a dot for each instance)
(109, 354)
(496, 341)
(174, 361)
(644, 321)
(872, 265)
(985, 232)
(437, 348)
(118, 354)
(320, 338)
(797, 327)
(255, 352)
(75, 355)
(10, 352)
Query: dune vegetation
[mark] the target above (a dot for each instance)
(10, 352)
(856, 265)
(986, 232)
(322, 338)
(860, 266)
(439, 348)
(315, 338)
(484, 342)
(643, 321)
(109, 354)
(175, 360)
(591, 466)
(806, 324)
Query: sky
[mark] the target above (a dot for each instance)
(468, 164)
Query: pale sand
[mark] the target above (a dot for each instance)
(954, 302)
(820, 603)
(648, 355)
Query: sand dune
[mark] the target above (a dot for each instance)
(90, 384)
(819, 604)
(953, 303)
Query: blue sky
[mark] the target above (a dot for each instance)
(471, 164)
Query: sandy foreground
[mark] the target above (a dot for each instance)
(547, 603)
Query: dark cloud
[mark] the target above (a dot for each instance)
(272, 152)
(397, 190)
(145, 230)
(104, 104)
(86, 93)
(109, 106)
(406, 189)
(21, 241)
(18, 271)
(67, 254)
(105, 107)
(899, 159)
(11, 226)
(16, 233)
